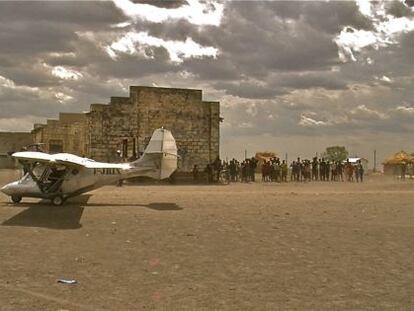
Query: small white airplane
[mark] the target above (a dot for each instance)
(60, 176)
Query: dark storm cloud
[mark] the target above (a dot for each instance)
(254, 39)
(277, 64)
(324, 16)
(27, 38)
(326, 80)
(249, 90)
(36, 32)
(128, 66)
(179, 30)
(84, 52)
(28, 74)
(398, 9)
(34, 37)
(220, 68)
(274, 118)
(169, 4)
(258, 42)
(88, 14)
(33, 29)
(409, 3)
(22, 102)
(392, 62)
(257, 38)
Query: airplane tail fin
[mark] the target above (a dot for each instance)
(159, 160)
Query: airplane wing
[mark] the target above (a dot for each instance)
(66, 159)
(70, 160)
(60, 158)
(32, 156)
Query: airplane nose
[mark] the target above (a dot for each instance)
(5, 189)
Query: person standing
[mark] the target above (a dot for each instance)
(315, 168)
(209, 171)
(293, 171)
(253, 165)
(327, 170)
(322, 169)
(333, 171)
(276, 168)
(195, 173)
(349, 169)
(217, 168)
(403, 170)
(264, 170)
(340, 170)
(360, 169)
(284, 171)
(356, 171)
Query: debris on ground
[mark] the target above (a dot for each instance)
(67, 281)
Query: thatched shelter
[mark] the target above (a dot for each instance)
(393, 165)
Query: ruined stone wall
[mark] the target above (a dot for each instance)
(69, 133)
(110, 126)
(193, 123)
(131, 120)
(14, 141)
(127, 123)
(214, 126)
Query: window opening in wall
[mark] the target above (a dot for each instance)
(134, 148)
(125, 148)
(55, 146)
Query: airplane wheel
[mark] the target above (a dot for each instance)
(16, 198)
(57, 200)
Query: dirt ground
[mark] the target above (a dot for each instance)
(314, 246)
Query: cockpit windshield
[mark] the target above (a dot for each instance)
(39, 170)
(26, 177)
(48, 177)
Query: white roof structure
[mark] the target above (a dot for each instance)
(355, 160)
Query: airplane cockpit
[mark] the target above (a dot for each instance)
(49, 178)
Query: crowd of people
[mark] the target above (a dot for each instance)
(277, 170)
(325, 170)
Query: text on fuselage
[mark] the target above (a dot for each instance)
(107, 171)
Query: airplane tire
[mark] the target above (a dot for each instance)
(58, 200)
(16, 198)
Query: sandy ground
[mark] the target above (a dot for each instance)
(315, 246)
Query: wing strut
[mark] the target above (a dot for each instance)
(27, 168)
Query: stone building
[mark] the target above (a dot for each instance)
(67, 134)
(126, 125)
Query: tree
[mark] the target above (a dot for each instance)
(336, 153)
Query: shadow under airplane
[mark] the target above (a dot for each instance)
(43, 215)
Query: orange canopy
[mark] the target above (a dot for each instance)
(265, 156)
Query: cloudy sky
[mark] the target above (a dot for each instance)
(291, 76)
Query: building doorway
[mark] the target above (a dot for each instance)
(55, 146)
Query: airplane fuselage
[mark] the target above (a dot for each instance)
(74, 182)
(63, 175)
